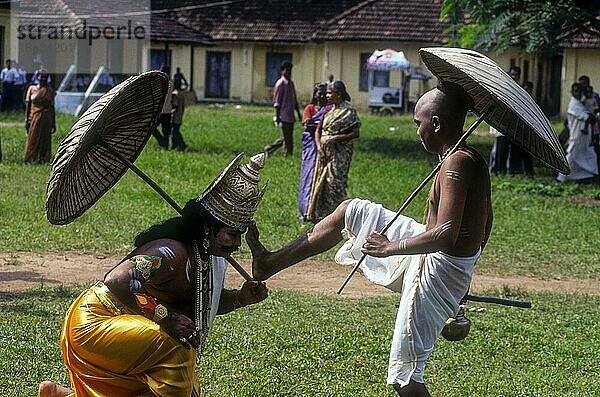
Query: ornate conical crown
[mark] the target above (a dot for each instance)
(234, 195)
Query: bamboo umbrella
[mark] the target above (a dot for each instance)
(498, 100)
(103, 144)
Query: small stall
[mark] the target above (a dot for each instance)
(383, 98)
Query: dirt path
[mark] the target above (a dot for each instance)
(22, 270)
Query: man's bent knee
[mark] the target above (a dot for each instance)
(340, 210)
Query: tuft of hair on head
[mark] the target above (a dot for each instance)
(458, 93)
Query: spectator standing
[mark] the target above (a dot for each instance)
(181, 78)
(39, 122)
(593, 106)
(313, 114)
(178, 106)
(520, 162)
(164, 119)
(8, 76)
(35, 80)
(284, 102)
(334, 138)
(19, 88)
(581, 155)
(585, 82)
(501, 148)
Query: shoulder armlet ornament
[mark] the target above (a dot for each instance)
(146, 265)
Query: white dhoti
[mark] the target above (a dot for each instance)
(431, 285)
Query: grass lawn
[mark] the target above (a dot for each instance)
(297, 344)
(541, 228)
(308, 345)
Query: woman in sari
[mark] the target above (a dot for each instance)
(39, 122)
(313, 114)
(333, 137)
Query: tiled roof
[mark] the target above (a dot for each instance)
(261, 20)
(401, 20)
(314, 20)
(166, 28)
(273, 21)
(582, 40)
(270, 21)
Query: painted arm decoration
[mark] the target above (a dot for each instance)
(142, 270)
(145, 269)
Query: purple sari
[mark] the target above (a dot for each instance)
(309, 158)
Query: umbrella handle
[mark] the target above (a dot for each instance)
(239, 268)
(168, 198)
(462, 139)
(142, 175)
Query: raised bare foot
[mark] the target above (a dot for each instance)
(260, 268)
(51, 389)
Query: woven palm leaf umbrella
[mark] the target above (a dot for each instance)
(498, 100)
(103, 144)
(510, 109)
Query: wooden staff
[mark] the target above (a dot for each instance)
(239, 268)
(497, 301)
(318, 180)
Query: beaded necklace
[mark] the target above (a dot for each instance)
(203, 276)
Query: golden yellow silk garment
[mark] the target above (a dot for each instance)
(111, 353)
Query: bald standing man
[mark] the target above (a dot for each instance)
(430, 265)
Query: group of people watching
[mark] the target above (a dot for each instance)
(330, 124)
(582, 132)
(15, 80)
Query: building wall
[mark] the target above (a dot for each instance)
(312, 63)
(578, 62)
(347, 67)
(5, 23)
(303, 58)
(315, 62)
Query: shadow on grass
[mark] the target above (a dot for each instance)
(28, 276)
(44, 294)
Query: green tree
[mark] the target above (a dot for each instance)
(537, 26)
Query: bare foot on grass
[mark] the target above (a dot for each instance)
(51, 389)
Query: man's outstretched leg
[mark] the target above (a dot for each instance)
(320, 238)
(413, 389)
(51, 389)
